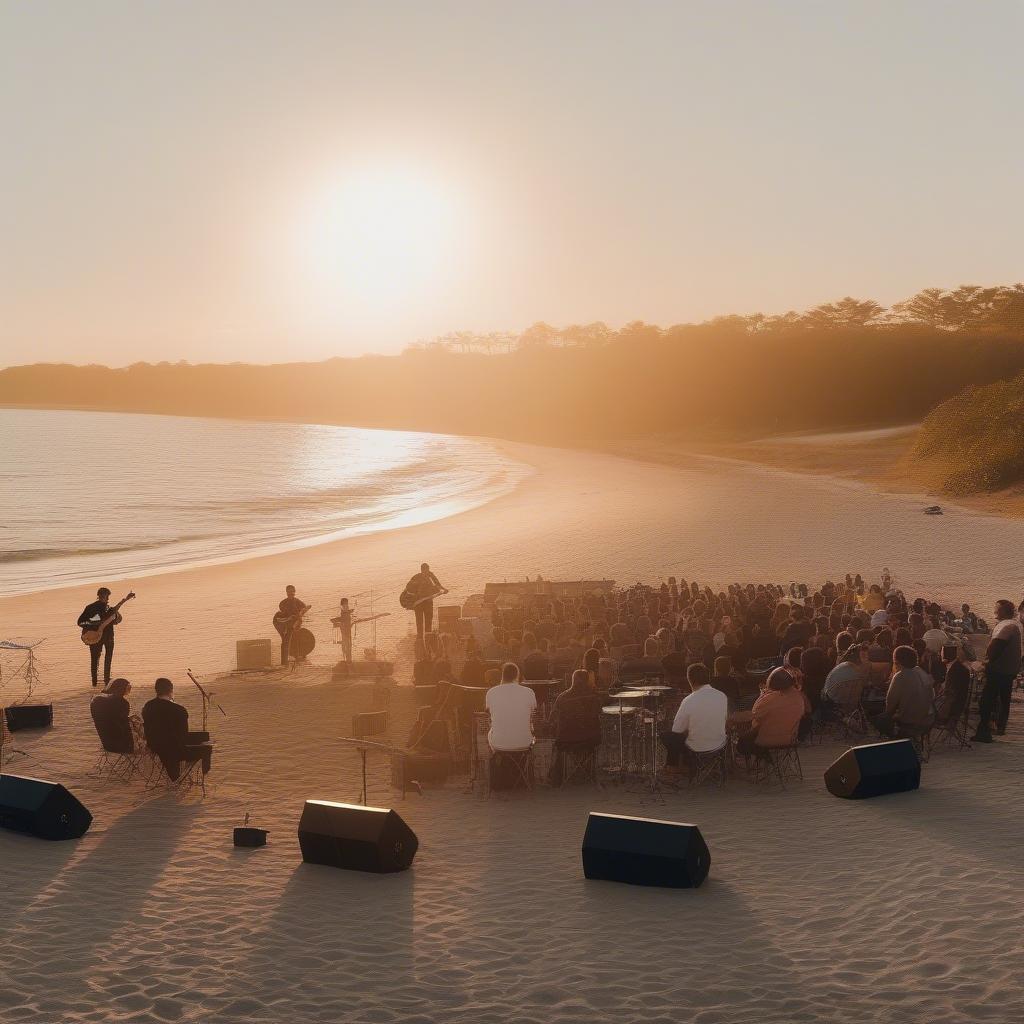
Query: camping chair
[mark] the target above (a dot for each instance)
(154, 772)
(119, 765)
(516, 766)
(955, 730)
(712, 765)
(780, 763)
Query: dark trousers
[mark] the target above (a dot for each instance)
(106, 644)
(190, 753)
(424, 617)
(286, 646)
(994, 701)
(676, 750)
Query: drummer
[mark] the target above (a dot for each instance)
(699, 725)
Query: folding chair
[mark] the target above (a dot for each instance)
(780, 763)
(578, 765)
(711, 765)
(515, 765)
(122, 766)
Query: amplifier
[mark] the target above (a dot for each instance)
(252, 654)
(448, 616)
(29, 716)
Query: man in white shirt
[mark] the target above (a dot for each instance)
(511, 707)
(935, 638)
(879, 618)
(1002, 663)
(699, 725)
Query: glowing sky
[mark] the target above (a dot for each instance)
(263, 181)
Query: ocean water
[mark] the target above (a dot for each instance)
(87, 496)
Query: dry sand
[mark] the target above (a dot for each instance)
(899, 909)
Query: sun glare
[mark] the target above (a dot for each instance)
(376, 237)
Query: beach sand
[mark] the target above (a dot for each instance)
(898, 909)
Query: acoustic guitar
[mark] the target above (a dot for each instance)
(408, 600)
(302, 640)
(93, 634)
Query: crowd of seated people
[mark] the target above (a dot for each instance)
(788, 657)
(164, 724)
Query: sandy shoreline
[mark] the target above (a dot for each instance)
(876, 458)
(601, 516)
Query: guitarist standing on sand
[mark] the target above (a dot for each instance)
(289, 611)
(91, 616)
(424, 585)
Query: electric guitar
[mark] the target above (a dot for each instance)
(93, 634)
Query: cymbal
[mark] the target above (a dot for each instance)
(629, 694)
(655, 689)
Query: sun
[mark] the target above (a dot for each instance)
(374, 237)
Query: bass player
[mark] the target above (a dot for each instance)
(289, 615)
(424, 587)
(92, 615)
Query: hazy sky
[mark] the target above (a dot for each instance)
(224, 180)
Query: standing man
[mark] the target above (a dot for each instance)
(92, 615)
(1002, 663)
(343, 620)
(290, 610)
(424, 586)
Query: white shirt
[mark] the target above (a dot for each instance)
(702, 717)
(935, 638)
(511, 706)
(880, 618)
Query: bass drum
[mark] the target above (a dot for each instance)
(303, 643)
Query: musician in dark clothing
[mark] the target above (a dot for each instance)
(111, 714)
(424, 586)
(284, 621)
(92, 615)
(166, 727)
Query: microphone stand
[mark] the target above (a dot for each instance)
(207, 699)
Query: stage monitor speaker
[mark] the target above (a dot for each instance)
(355, 837)
(644, 851)
(251, 655)
(874, 769)
(29, 716)
(42, 809)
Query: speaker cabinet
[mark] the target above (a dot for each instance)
(644, 851)
(355, 837)
(42, 809)
(252, 655)
(29, 716)
(874, 769)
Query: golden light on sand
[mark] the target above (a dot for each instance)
(373, 237)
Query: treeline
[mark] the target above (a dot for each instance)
(975, 440)
(720, 378)
(968, 308)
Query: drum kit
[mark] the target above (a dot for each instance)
(631, 726)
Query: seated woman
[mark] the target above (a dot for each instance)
(111, 714)
(776, 715)
(577, 716)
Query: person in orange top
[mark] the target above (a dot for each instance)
(776, 714)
